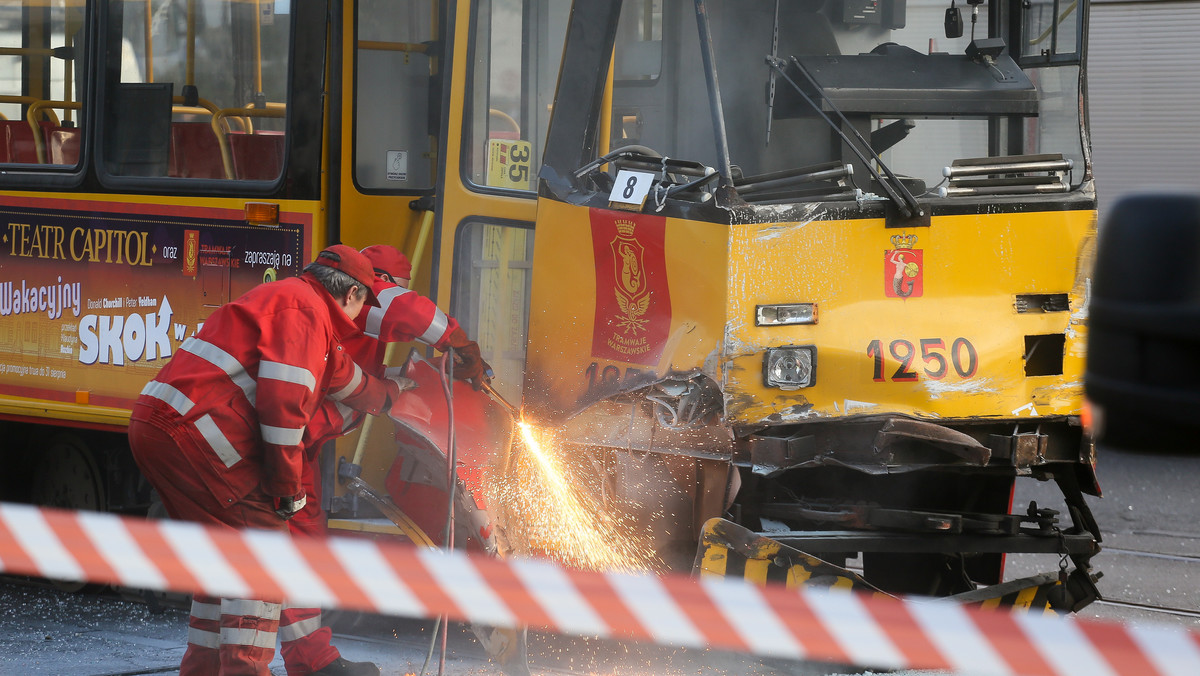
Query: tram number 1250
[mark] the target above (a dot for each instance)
(937, 360)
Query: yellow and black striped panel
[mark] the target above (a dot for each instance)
(1031, 599)
(728, 550)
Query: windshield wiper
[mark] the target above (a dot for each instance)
(895, 189)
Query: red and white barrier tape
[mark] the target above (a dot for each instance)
(730, 614)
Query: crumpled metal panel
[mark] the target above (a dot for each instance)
(630, 425)
(875, 445)
(897, 433)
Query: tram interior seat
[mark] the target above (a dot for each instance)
(62, 145)
(18, 142)
(195, 151)
(257, 156)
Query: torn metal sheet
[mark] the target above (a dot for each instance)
(875, 445)
(898, 433)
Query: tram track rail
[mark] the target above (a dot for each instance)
(1175, 611)
(1185, 558)
(1165, 610)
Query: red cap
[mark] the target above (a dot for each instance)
(350, 261)
(389, 260)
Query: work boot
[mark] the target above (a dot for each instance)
(341, 667)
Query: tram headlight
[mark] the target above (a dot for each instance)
(791, 367)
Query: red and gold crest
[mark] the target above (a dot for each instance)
(191, 251)
(633, 306)
(632, 293)
(903, 268)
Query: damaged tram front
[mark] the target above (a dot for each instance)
(827, 280)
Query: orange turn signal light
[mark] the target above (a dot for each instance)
(261, 213)
(1091, 416)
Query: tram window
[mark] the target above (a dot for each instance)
(1056, 128)
(396, 66)
(1050, 28)
(226, 65)
(518, 47)
(639, 33)
(490, 295)
(41, 81)
(933, 144)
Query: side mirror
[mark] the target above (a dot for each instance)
(1143, 347)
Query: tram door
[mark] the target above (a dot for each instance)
(444, 108)
(502, 100)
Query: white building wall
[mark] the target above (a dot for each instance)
(1144, 92)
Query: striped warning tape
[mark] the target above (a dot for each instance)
(397, 579)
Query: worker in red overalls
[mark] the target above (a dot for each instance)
(219, 432)
(404, 315)
(401, 316)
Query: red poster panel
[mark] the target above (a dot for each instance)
(633, 299)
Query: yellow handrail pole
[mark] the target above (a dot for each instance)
(606, 111)
(218, 119)
(68, 68)
(46, 108)
(203, 106)
(378, 45)
(149, 45)
(26, 51)
(390, 350)
(422, 239)
(223, 143)
(258, 87)
(191, 43)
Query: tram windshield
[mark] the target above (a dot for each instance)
(802, 81)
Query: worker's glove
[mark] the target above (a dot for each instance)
(403, 384)
(397, 384)
(286, 508)
(468, 363)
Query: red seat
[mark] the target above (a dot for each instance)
(195, 151)
(257, 156)
(62, 144)
(18, 142)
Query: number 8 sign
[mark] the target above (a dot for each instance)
(631, 187)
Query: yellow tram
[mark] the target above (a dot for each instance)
(818, 267)
(827, 277)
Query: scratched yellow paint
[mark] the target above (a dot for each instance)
(1025, 598)
(563, 305)
(843, 583)
(714, 562)
(972, 267)
(756, 570)
(797, 575)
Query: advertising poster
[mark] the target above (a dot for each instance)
(96, 296)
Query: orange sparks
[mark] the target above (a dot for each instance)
(550, 513)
